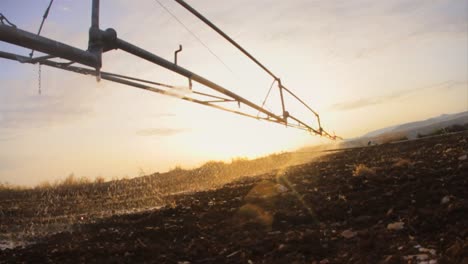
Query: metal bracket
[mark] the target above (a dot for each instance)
(95, 44)
(3, 18)
(175, 54)
(101, 41)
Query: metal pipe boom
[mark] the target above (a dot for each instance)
(224, 35)
(250, 56)
(139, 83)
(139, 52)
(102, 41)
(32, 41)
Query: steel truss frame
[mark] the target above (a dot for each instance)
(101, 41)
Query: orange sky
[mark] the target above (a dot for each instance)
(362, 65)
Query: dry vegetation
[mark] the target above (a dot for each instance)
(10, 187)
(51, 207)
(69, 181)
(362, 170)
(407, 204)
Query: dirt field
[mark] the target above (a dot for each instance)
(392, 203)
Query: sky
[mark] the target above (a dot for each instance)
(362, 64)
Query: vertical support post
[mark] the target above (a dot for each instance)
(320, 125)
(95, 45)
(95, 14)
(285, 113)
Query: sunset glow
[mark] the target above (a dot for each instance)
(362, 65)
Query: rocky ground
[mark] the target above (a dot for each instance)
(391, 203)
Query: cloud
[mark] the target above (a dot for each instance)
(45, 110)
(40, 110)
(359, 29)
(161, 131)
(365, 102)
(7, 138)
(8, 163)
(360, 103)
(63, 99)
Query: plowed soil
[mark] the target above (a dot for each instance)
(393, 203)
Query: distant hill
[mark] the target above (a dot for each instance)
(431, 123)
(410, 130)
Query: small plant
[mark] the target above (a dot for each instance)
(72, 180)
(177, 168)
(362, 170)
(99, 179)
(9, 187)
(44, 185)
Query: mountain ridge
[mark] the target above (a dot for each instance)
(426, 124)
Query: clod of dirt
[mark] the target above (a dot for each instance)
(395, 226)
(348, 234)
(281, 188)
(445, 200)
(457, 249)
(420, 257)
(250, 220)
(428, 250)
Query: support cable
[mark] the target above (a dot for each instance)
(39, 79)
(39, 72)
(267, 95)
(194, 35)
(221, 99)
(224, 35)
(250, 56)
(126, 80)
(110, 41)
(44, 17)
